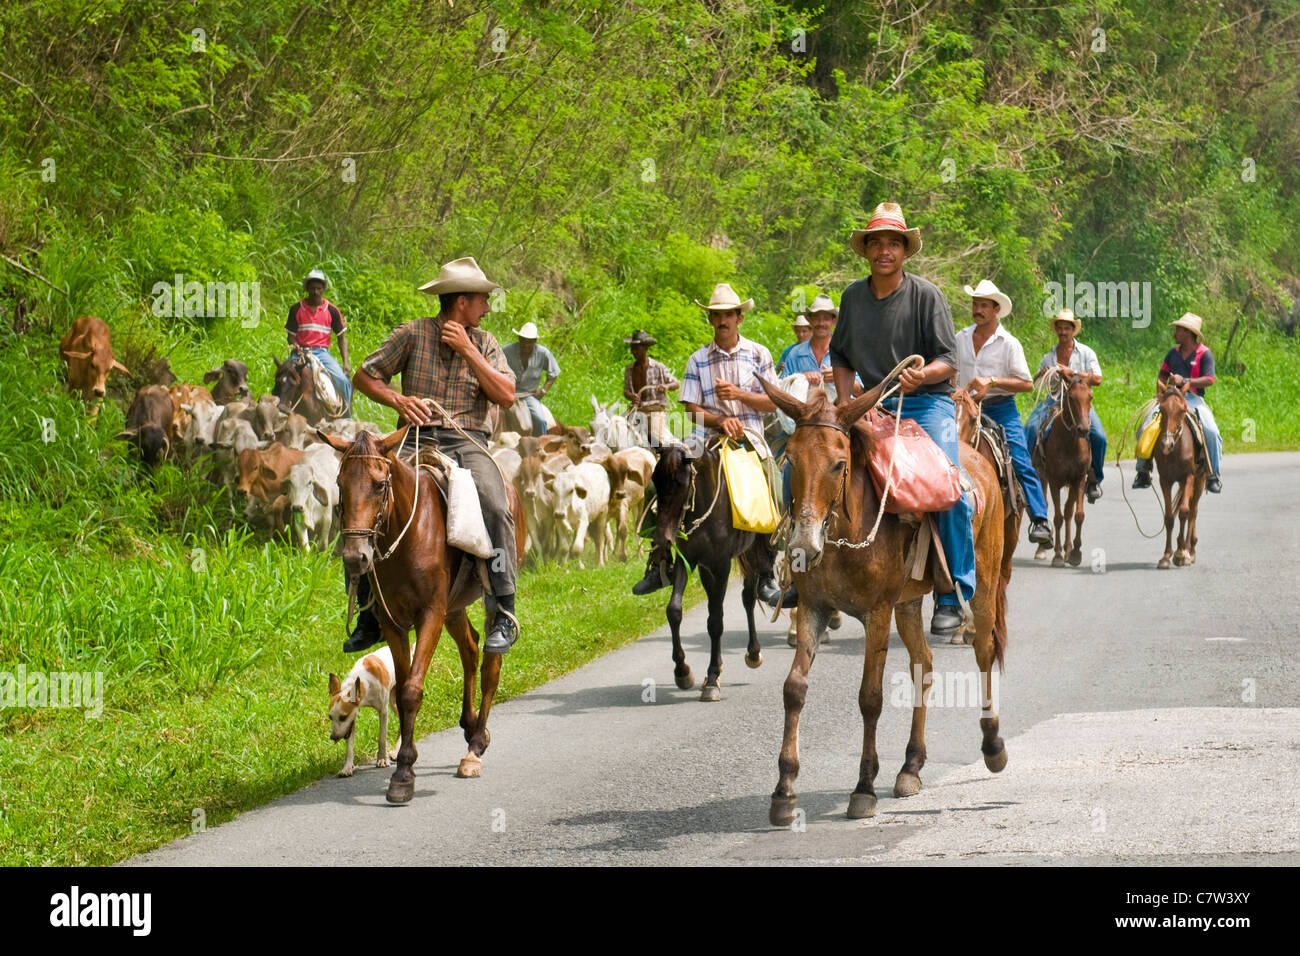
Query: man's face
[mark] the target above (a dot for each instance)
(726, 324)
(885, 253)
(1183, 338)
(985, 311)
(526, 346)
(802, 333)
(823, 324)
(315, 289)
(639, 352)
(1064, 331)
(470, 309)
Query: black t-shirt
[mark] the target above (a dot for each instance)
(874, 335)
(1175, 364)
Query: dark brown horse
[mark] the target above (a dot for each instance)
(835, 506)
(417, 583)
(1178, 463)
(296, 390)
(1062, 457)
(693, 530)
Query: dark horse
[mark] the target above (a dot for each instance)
(296, 390)
(693, 530)
(1062, 458)
(418, 582)
(835, 511)
(1179, 464)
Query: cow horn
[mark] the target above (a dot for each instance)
(75, 355)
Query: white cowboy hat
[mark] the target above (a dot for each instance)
(823, 303)
(1191, 322)
(529, 331)
(1065, 315)
(802, 322)
(888, 217)
(315, 274)
(987, 290)
(724, 298)
(460, 275)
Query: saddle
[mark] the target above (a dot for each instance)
(323, 384)
(994, 436)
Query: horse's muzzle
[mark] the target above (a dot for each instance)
(358, 556)
(807, 542)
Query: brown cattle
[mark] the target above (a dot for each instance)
(231, 381)
(88, 349)
(182, 394)
(261, 474)
(149, 423)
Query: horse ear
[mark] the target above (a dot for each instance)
(784, 400)
(846, 415)
(389, 442)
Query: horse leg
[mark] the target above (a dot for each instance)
(994, 750)
(748, 590)
(871, 697)
(471, 765)
(1058, 540)
(715, 586)
(1196, 506)
(910, 629)
(1167, 487)
(681, 671)
(1077, 498)
(467, 642)
(410, 694)
(794, 693)
(1184, 513)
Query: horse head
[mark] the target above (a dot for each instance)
(1076, 402)
(968, 415)
(672, 478)
(819, 452)
(365, 493)
(1173, 412)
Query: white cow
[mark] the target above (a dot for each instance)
(201, 430)
(311, 491)
(509, 461)
(582, 510)
(611, 429)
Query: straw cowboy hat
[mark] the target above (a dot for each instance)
(1191, 322)
(888, 217)
(529, 331)
(823, 303)
(987, 290)
(1065, 315)
(724, 299)
(317, 276)
(640, 338)
(801, 322)
(460, 275)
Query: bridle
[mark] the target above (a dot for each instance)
(1068, 413)
(1178, 432)
(385, 500)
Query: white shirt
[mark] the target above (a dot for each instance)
(1082, 359)
(1002, 356)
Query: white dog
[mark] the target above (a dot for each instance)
(372, 682)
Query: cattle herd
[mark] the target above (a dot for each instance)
(577, 485)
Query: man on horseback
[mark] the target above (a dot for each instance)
(1070, 356)
(529, 361)
(991, 366)
(308, 327)
(721, 391)
(461, 368)
(802, 333)
(646, 384)
(884, 318)
(1190, 361)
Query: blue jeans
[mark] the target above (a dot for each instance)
(1096, 435)
(1213, 440)
(534, 405)
(937, 416)
(1003, 411)
(336, 373)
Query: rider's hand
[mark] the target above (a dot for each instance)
(978, 387)
(727, 391)
(732, 428)
(454, 334)
(814, 378)
(911, 378)
(413, 410)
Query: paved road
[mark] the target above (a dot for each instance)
(1150, 717)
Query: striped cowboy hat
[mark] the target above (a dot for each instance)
(888, 217)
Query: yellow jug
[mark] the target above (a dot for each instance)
(1147, 440)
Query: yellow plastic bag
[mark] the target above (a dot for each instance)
(751, 502)
(1147, 440)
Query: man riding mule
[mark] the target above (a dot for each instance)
(1069, 356)
(884, 319)
(1190, 362)
(861, 558)
(450, 360)
(991, 366)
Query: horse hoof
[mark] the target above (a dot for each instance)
(1058, 562)
(685, 681)
(400, 791)
(957, 639)
(1180, 560)
(1075, 558)
(1040, 554)
(835, 621)
(781, 813)
(711, 693)
(996, 762)
(792, 638)
(755, 661)
(470, 766)
(1191, 558)
(1163, 564)
(862, 805)
(907, 784)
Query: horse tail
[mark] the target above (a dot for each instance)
(1000, 607)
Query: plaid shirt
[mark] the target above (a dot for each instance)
(430, 369)
(657, 379)
(744, 366)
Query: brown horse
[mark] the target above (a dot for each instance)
(418, 583)
(1062, 458)
(296, 390)
(834, 507)
(1178, 464)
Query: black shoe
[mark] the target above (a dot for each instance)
(1093, 491)
(1142, 479)
(768, 592)
(505, 629)
(790, 598)
(1214, 485)
(1040, 533)
(947, 620)
(652, 581)
(366, 634)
